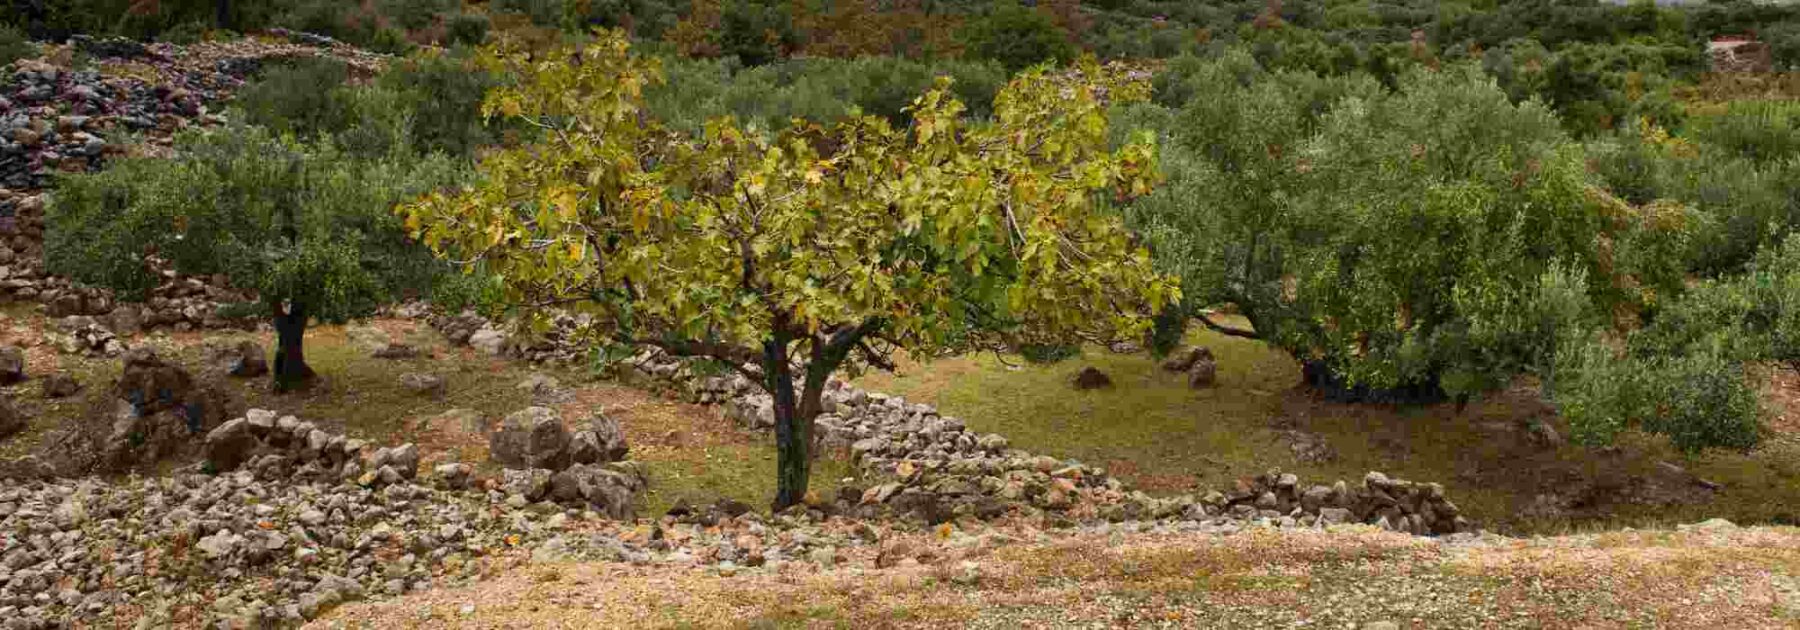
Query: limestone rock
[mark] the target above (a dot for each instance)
(531, 438)
(489, 340)
(229, 445)
(424, 384)
(244, 359)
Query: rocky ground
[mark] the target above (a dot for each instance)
(1007, 576)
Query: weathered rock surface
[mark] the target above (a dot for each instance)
(531, 438)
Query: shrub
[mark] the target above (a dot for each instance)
(184, 33)
(1393, 239)
(441, 95)
(14, 46)
(417, 14)
(1017, 37)
(817, 89)
(391, 41)
(303, 95)
(469, 29)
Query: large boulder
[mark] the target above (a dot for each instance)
(489, 340)
(12, 365)
(229, 445)
(61, 386)
(603, 441)
(531, 438)
(424, 384)
(1203, 373)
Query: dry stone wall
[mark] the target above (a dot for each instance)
(938, 469)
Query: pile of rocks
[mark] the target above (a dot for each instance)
(154, 411)
(56, 119)
(239, 549)
(317, 516)
(80, 334)
(546, 462)
(1197, 362)
(287, 448)
(179, 302)
(560, 342)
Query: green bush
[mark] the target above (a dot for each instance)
(1017, 37)
(469, 29)
(417, 14)
(440, 94)
(304, 96)
(391, 41)
(184, 33)
(1394, 239)
(14, 46)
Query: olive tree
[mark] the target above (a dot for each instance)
(814, 245)
(1397, 243)
(309, 229)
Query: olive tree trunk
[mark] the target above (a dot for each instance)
(291, 370)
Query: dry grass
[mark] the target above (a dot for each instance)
(1736, 579)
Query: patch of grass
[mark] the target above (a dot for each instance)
(1153, 431)
(745, 472)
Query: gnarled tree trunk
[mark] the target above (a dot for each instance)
(291, 370)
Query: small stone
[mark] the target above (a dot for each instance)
(1092, 378)
(424, 384)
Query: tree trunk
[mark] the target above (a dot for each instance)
(792, 432)
(291, 370)
(794, 415)
(222, 14)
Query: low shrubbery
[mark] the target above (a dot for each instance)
(14, 46)
(428, 102)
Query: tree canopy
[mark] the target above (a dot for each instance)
(306, 227)
(814, 243)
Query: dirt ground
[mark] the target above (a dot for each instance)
(1722, 577)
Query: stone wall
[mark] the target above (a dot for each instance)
(937, 469)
